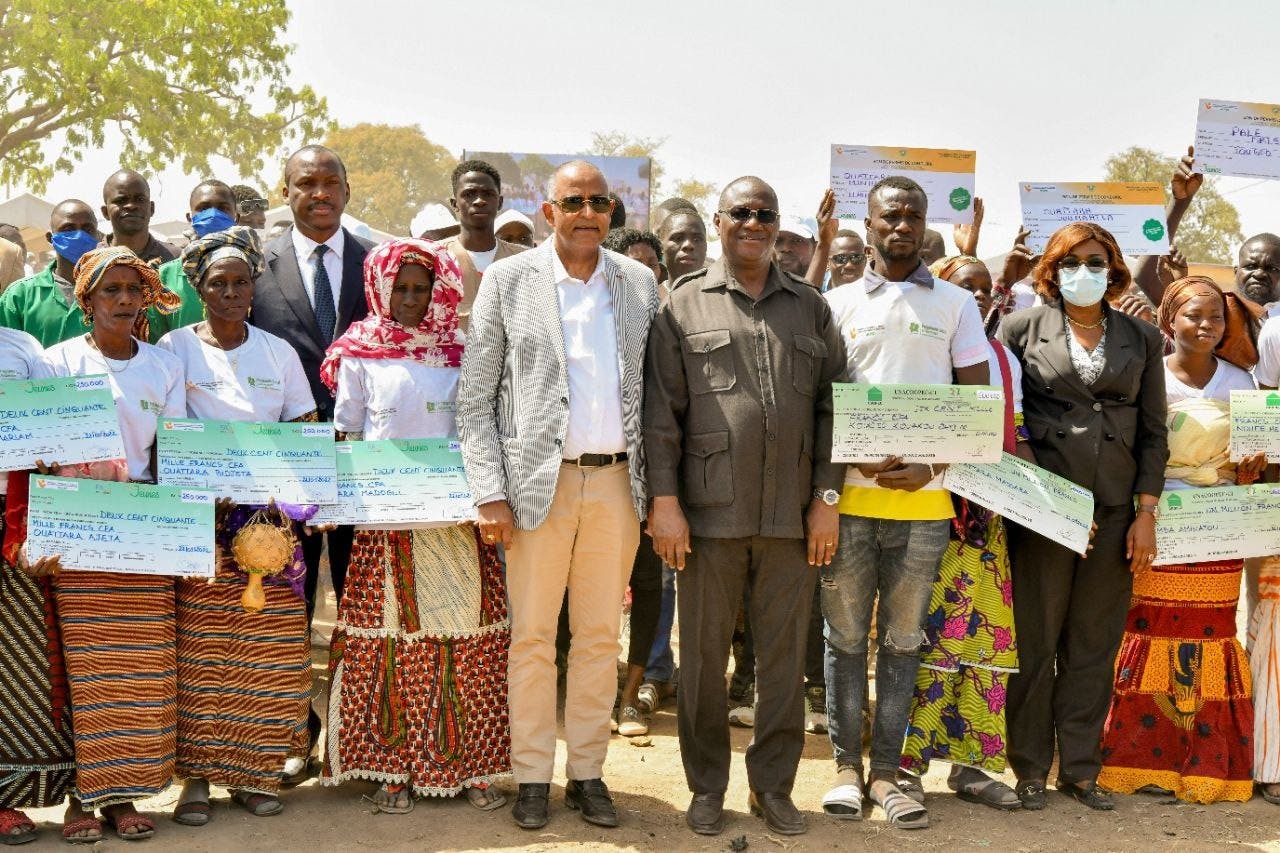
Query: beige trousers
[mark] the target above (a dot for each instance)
(586, 545)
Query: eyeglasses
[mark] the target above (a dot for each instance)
(847, 258)
(253, 205)
(1094, 264)
(764, 215)
(574, 203)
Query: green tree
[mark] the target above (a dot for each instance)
(701, 193)
(615, 143)
(182, 81)
(1210, 230)
(393, 171)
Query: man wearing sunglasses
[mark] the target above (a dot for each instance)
(549, 406)
(738, 434)
(251, 207)
(848, 258)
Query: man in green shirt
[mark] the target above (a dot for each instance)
(209, 195)
(43, 305)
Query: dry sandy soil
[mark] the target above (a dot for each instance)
(650, 792)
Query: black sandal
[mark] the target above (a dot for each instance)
(1087, 793)
(1032, 795)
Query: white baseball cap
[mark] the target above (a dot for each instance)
(510, 215)
(796, 225)
(432, 217)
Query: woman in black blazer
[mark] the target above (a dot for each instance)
(1094, 406)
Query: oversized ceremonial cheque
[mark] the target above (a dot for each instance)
(1255, 424)
(1132, 212)
(1238, 138)
(399, 482)
(249, 462)
(1023, 493)
(134, 528)
(66, 419)
(945, 175)
(919, 423)
(1219, 523)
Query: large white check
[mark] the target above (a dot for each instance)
(1037, 499)
(945, 175)
(249, 462)
(65, 419)
(1238, 138)
(134, 528)
(1219, 523)
(1132, 212)
(1255, 424)
(402, 482)
(919, 423)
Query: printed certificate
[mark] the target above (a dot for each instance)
(1255, 424)
(399, 483)
(1132, 212)
(1218, 523)
(67, 419)
(945, 175)
(1238, 138)
(919, 423)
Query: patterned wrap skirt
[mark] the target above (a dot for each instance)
(958, 711)
(244, 679)
(418, 663)
(1264, 660)
(37, 756)
(1181, 717)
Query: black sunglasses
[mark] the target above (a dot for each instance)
(574, 203)
(847, 258)
(764, 215)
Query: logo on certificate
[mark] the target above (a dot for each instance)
(1174, 502)
(1153, 229)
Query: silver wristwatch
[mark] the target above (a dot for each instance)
(830, 497)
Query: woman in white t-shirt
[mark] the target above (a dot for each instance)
(418, 698)
(117, 630)
(243, 675)
(1182, 716)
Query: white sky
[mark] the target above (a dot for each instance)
(1042, 91)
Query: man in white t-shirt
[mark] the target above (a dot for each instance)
(900, 325)
(477, 198)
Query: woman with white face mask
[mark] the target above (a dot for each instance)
(1094, 405)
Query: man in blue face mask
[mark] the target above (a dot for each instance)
(43, 305)
(212, 208)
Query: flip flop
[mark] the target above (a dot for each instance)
(381, 803)
(11, 819)
(900, 810)
(69, 830)
(194, 813)
(125, 821)
(990, 792)
(484, 797)
(258, 805)
(843, 802)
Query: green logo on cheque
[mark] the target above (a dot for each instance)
(960, 198)
(1153, 229)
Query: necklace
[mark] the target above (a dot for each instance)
(106, 360)
(1079, 325)
(234, 361)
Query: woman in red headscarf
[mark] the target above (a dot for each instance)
(418, 660)
(1181, 717)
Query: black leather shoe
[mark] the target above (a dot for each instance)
(1031, 793)
(779, 813)
(1087, 793)
(591, 797)
(530, 810)
(706, 814)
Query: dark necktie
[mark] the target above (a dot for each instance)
(326, 316)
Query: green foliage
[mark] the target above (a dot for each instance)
(1210, 230)
(183, 80)
(393, 171)
(701, 193)
(615, 143)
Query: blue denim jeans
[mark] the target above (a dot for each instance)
(896, 562)
(662, 663)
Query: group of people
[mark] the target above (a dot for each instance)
(628, 414)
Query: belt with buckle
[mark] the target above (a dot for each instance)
(596, 460)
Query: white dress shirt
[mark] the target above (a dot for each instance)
(591, 361)
(305, 248)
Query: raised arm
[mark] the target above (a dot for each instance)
(966, 236)
(828, 225)
(1183, 186)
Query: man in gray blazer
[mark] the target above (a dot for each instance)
(310, 292)
(549, 407)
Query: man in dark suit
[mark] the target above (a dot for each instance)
(311, 291)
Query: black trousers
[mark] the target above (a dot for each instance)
(340, 540)
(815, 672)
(708, 594)
(1069, 614)
(646, 602)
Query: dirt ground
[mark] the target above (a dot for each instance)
(649, 790)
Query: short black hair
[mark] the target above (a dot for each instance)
(474, 166)
(216, 185)
(617, 219)
(898, 182)
(315, 149)
(621, 239)
(848, 232)
(242, 192)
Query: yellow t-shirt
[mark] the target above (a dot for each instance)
(922, 505)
